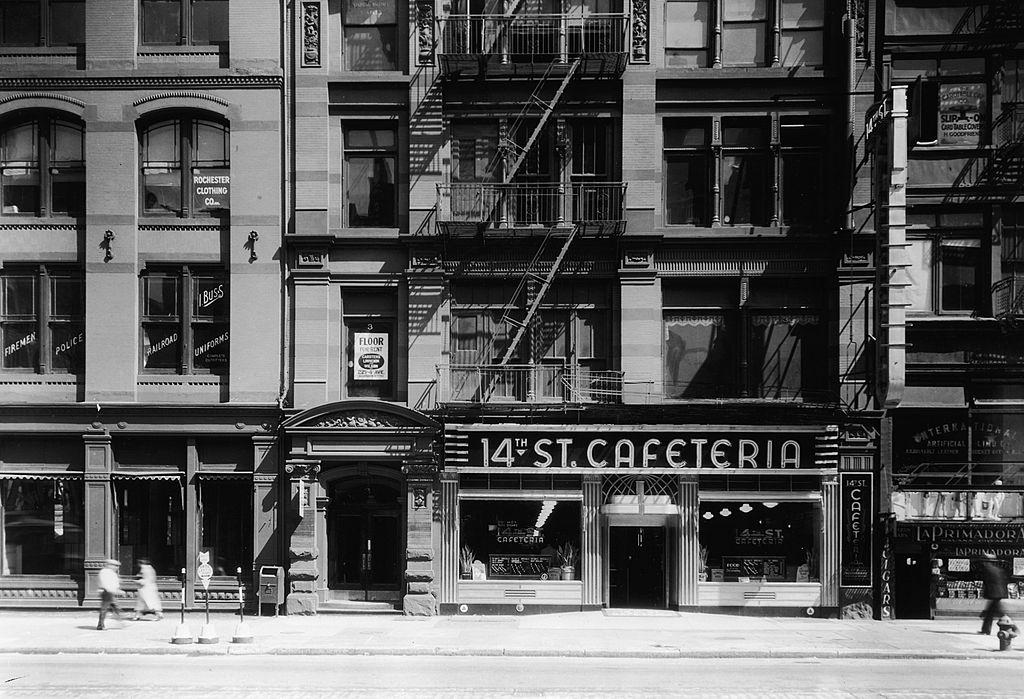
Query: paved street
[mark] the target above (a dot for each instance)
(227, 676)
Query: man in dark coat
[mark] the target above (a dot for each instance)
(994, 590)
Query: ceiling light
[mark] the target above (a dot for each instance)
(745, 508)
(708, 515)
(725, 512)
(770, 505)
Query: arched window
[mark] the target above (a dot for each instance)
(42, 168)
(185, 168)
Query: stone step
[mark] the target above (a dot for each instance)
(341, 606)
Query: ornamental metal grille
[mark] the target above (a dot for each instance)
(616, 488)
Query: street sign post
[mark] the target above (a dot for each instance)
(204, 571)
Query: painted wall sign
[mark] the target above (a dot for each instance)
(960, 113)
(886, 600)
(370, 360)
(966, 540)
(951, 436)
(607, 449)
(855, 557)
(211, 189)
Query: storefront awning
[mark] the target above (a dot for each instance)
(933, 397)
(146, 476)
(41, 476)
(223, 476)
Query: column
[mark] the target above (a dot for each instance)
(690, 563)
(266, 540)
(449, 561)
(312, 338)
(192, 525)
(419, 599)
(300, 516)
(829, 541)
(590, 551)
(641, 331)
(99, 513)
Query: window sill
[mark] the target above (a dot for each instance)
(176, 223)
(8, 220)
(371, 76)
(181, 380)
(740, 231)
(178, 50)
(365, 233)
(740, 72)
(31, 378)
(9, 51)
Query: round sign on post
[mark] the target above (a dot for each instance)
(205, 572)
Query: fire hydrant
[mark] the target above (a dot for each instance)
(1007, 632)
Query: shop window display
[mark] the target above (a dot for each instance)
(525, 539)
(994, 506)
(759, 541)
(226, 517)
(150, 522)
(42, 527)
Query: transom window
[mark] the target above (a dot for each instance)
(184, 321)
(42, 320)
(183, 22)
(42, 168)
(186, 168)
(42, 22)
(702, 33)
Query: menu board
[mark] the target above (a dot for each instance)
(770, 567)
(518, 565)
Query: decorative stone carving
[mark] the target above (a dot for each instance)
(425, 32)
(858, 12)
(563, 145)
(640, 23)
(419, 470)
(311, 35)
(363, 419)
(419, 498)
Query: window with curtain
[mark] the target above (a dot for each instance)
(944, 273)
(183, 22)
(42, 527)
(370, 187)
(176, 154)
(42, 167)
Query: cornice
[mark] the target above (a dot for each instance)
(141, 82)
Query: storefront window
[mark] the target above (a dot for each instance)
(42, 527)
(759, 541)
(226, 508)
(150, 523)
(995, 506)
(524, 539)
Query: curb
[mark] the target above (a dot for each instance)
(665, 653)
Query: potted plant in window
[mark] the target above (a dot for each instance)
(567, 556)
(466, 563)
(702, 574)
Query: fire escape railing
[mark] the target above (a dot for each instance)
(533, 37)
(524, 205)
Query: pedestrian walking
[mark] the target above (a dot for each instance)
(147, 597)
(993, 589)
(110, 588)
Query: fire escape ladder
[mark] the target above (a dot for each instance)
(545, 284)
(996, 23)
(534, 101)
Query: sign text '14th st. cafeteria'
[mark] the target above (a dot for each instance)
(648, 450)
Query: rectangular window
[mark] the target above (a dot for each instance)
(744, 32)
(42, 320)
(371, 35)
(185, 325)
(686, 33)
(687, 174)
(698, 354)
(782, 357)
(803, 31)
(762, 541)
(745, 173)
(370, 188)
(184, 22)
(803, 201)
(519, 540)
(150, 524)
(42, 527)
(226, 523)
(944, 274)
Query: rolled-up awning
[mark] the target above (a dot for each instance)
(146, 475)
(64, 476)
(223, 475)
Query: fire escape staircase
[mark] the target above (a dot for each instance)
(991, 26)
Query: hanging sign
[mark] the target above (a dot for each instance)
(960, 113)
(855, 537)
(204, 571)
(370, 360)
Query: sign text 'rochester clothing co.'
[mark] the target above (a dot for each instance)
(612, 449)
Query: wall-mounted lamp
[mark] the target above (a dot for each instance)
(108, 238)
(253, 237)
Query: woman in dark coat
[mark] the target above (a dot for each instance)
(994, 590)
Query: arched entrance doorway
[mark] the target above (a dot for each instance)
(364, 538)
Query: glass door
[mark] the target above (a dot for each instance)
(364, 538)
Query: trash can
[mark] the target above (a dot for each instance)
(271, 589)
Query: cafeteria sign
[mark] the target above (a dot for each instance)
(211, 189)
(370, 362)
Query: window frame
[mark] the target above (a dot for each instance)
(680, 153)
(44, 318)
(761, 151)
(186, 29)
(185, 319)
(802, 150)
(186, 145)
(46, 164)
(45, 29)
(386, 152)
(346, 25)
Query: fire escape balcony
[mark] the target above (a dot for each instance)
(519, 208)
(525, 45)
(1008, 298)
(996, 175)
(551, 384)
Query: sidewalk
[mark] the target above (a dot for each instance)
(611, 633)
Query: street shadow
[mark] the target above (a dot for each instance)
(954, 633)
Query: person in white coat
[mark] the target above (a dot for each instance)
(147, 598)
(110, 587)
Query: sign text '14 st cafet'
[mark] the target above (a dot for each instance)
(652, 450)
